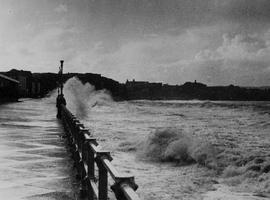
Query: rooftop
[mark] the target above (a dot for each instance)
(8, 78)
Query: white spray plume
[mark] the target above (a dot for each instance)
(82, 97)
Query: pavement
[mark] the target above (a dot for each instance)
(34, 161)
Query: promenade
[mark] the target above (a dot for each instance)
(34, 162)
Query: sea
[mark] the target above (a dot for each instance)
(181, 149)
(176, 150)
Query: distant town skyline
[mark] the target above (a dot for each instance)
(216, 42)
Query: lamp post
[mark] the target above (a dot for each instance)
(61, 76)
(60, 98)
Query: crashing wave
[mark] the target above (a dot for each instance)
(81, 97)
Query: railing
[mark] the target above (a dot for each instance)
(87, 154)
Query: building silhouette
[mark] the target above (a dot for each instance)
(9, 88)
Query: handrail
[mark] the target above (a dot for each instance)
(88, 154)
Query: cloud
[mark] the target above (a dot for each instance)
(239, 48)
(241, 59)
(244, 10)
(150, 58)
(62, 8)
(213, 41)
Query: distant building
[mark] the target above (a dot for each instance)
(195, 85)
(142, 89)
(29, 86)
(35, 89)
(134, 83)
(8, 88)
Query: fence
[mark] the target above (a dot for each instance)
(88, 155)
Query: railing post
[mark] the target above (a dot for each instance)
(83, 171)
(91, 158)
(120, 182)
(60, 100)
(73, 126)
(91, 165)
(102, 175)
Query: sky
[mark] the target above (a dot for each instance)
(216, 42)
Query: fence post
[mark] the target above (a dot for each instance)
(120, 182)
(91, 158)
(102, 174)
(90, 164)
(84, 177)
(60, 100)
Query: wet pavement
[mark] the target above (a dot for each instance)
(34, 161)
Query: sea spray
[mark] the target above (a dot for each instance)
(162, 145)
(171, 144)
(81, 97)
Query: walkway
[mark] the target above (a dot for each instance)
(34, 163)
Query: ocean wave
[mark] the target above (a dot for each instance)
(174, 145)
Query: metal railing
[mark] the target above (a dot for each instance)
(88, 155)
